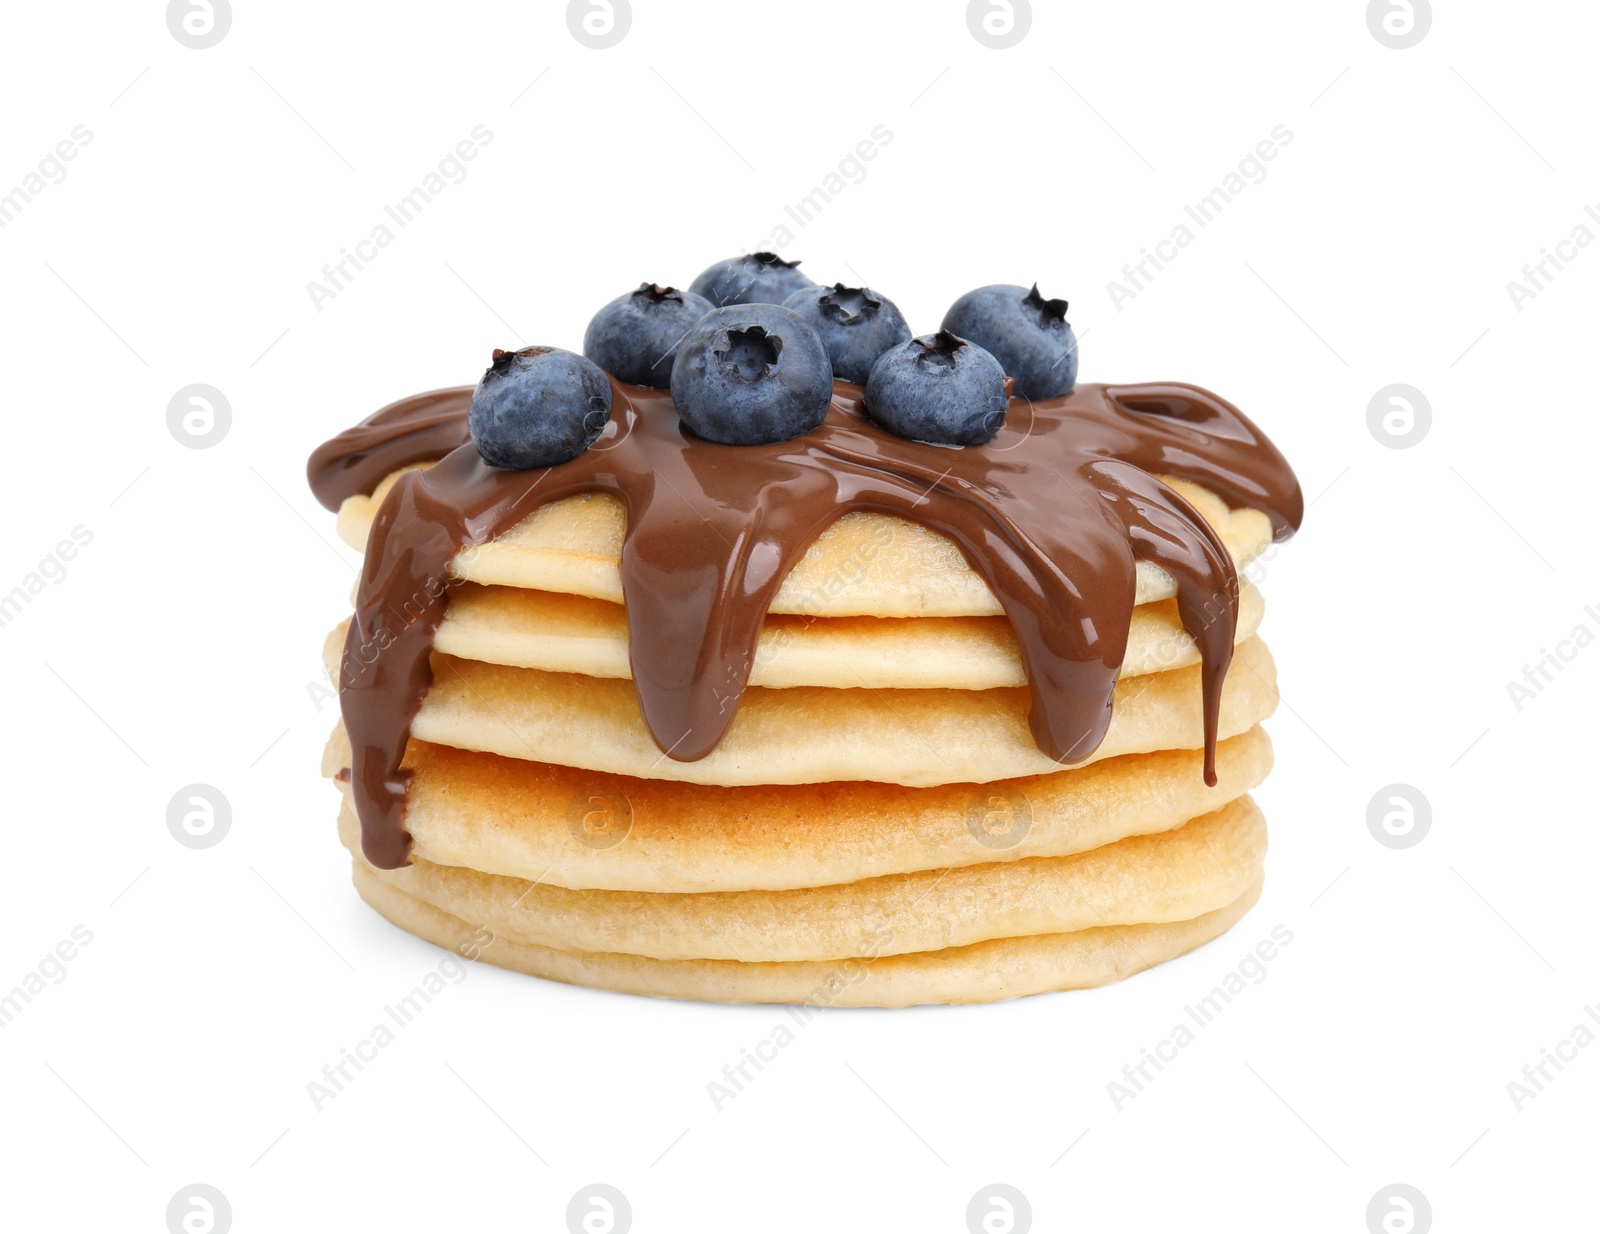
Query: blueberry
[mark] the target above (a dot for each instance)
(538, 407)
(755, 278)
(938, 388)
(751, 374)
(1028, 334)
(635, 337)
(856, 325)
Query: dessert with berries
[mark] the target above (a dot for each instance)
(768, 651)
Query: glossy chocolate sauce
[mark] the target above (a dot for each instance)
(1053, 514)
(419, 429)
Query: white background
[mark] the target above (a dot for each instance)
(182, 645)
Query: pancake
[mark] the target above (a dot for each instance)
(807, 735)
(877, 826)
(1204, 865)
(574, 634)
(579, 829)
(864, 565)
(979, 973)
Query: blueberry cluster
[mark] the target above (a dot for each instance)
(750, 353)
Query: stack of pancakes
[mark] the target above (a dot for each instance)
(878, 826)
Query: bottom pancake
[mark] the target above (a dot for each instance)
(979, 973)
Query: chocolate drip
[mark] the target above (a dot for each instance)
(1053, 514)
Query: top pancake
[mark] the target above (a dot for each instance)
(865, 565)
